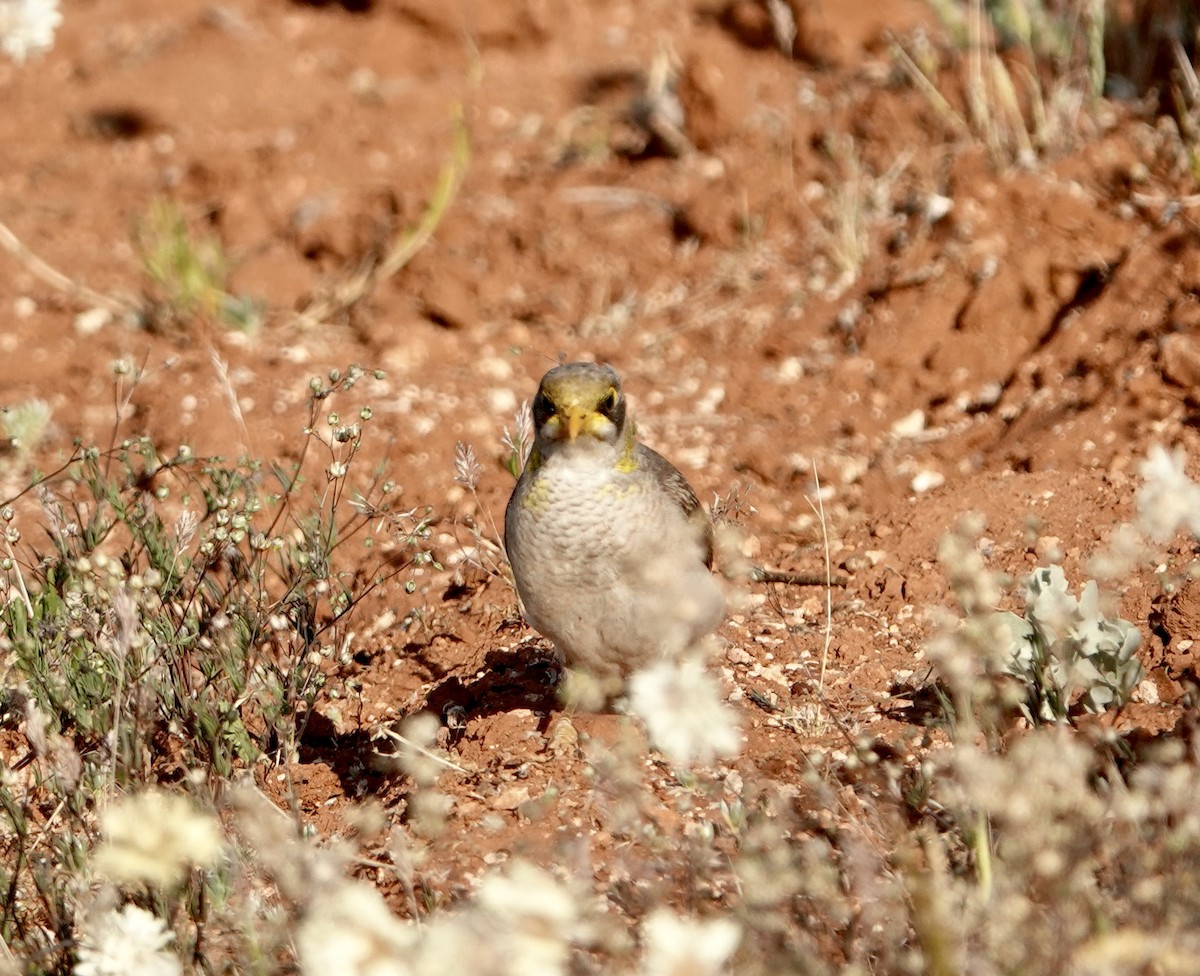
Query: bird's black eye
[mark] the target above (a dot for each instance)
(543, 409)
(613, 407)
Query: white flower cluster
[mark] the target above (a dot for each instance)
(350, 931)
(127, 942)
(522, 922)
(684, 715)
(674, 945)
(155, 838)
(1168, 500)
(27, 26)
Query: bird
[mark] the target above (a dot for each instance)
(610, 549)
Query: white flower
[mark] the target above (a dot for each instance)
(533, 916)
(522, 922)
(677, 946)
(526, 891)
(128, 942)
(351, 932)
(685, 718)
(1169, 499)
(155, 837)
(27, 26)
(416, 754)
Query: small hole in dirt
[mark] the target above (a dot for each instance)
(615, 84)
(439, 319)
(1091, 284)
(456, 591)
(682, 226)
(1176, 243)
(116, 124)
(749, 24)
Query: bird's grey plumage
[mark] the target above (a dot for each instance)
(609, 544)
(676, 485)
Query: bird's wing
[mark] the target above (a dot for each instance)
(676, 485)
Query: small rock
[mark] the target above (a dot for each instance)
(986, 396)
(848, 317)
(909, 425)
(447, 306)
(92, 321)
(735, 655)
(1049, 548)
(1146, 692)
(1179, 358)
(937, 207)
(856, 562)
(711, 110)
(927, 480)
(511, 798)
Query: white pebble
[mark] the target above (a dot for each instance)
(909, 425)
(927, 480)
(92, 321)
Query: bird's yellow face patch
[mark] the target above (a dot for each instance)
(571, 407)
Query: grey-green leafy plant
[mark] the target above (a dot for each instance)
(1065, 647)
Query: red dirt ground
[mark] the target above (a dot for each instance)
(1046, 327)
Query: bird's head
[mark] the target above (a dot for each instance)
(579, 404)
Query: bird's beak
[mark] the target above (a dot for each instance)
(575, 420)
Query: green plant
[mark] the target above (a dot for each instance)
(209, 630)
(519, 441)
(188, 272)
(183, 618)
